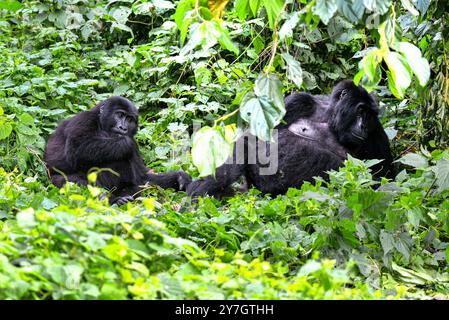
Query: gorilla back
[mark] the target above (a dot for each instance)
(103, 137)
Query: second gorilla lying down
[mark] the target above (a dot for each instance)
(318, 134)
(103, 137)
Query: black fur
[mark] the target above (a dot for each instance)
(344, 122)
(103, 137)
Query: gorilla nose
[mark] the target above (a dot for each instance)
(123, 129)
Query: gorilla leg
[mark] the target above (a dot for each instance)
(178, 180)
(59, 180)
(219, 185)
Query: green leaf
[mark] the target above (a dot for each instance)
(254, 5)
(422, 6)
(386, 240)
(210, 149)
(5, 130)
(181, 10)
(370, 64)
(271, 87)
(273, 9)
(202, 73)
(261, 114)
(400, 73)
(26, 119)
(325, 9)
(377, 6)
(294, 70)
(242, 8)
(225, 39)
(286, 30)
(351, 9)
(441, 170)
(11, 5)
(414, 160)
(409, 6)
(418, 64)
(25, 218)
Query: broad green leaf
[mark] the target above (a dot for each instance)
(261, 114)
(217, 7)
(26, 119)
(210, 149)
(11, 5)
(286, 30)
(254, 5)
(377, 6)
(294, 70)
(441, 170)
(225, 39)
(399, 71)
(181, 10)
(422, 6)
(242, 8)
(409, 6)
(202, 73)
(325, 9)
(26, 219)
(271, 87)
(5, 130)
(386, 240)
(273, 9)
(418, 64)
(370, 64)
(414, 160)
(163, 4)
(351, 9)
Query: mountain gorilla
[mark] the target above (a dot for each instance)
(103, 137)
(318, 133)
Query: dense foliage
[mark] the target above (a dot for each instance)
(188, 63)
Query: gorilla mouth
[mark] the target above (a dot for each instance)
(357, 136)
(119, 131)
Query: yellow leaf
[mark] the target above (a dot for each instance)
(217, 7)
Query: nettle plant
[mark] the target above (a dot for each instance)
(260, 104)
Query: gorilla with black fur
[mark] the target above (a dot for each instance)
(317, 134)
(103, 137)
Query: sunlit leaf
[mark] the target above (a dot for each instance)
(294, 70)
(217, 7)
(400, 73)
(273, 9)
(210, 149)
(325, 9)
(418, 64)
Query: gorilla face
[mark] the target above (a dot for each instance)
(353, 114)
(119, 115)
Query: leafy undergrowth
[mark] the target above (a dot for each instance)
(338, 240)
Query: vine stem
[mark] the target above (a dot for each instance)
(226, 116)
(273, 51)
(275, 39)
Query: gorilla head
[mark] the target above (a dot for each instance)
(118, 115)
(353, 114)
